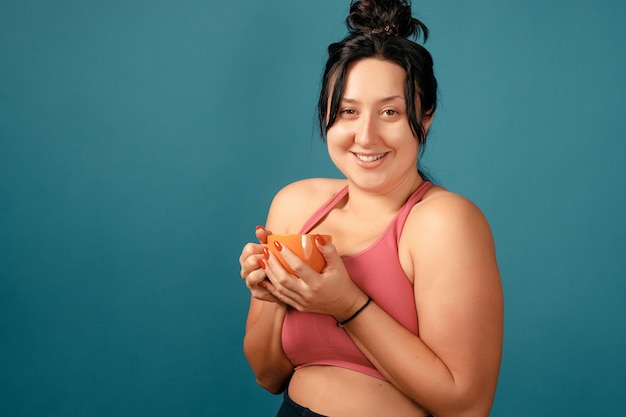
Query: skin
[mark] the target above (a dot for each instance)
(446, 250)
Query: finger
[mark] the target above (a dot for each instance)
(279, 293)
(264, 295)
(255, 277)
(258, 283)
(248, 250)
(245, 252)
(282, 284)
(329, 251)
(250, 264)
(260, 292)
(262, 233)
(300, 268)
(249, 258)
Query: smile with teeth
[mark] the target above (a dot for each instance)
(370, 158)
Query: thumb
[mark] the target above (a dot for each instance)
(262, 233)
(329, 251)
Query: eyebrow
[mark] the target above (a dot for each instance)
(383, 100)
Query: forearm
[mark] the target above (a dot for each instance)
(410, 365)
(263, 346)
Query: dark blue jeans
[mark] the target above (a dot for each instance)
(291, 409)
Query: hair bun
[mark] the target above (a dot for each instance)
(384, 17)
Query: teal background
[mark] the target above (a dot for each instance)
(142, 141)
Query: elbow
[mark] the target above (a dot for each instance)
(272, 385)
(270, 380)
(465, 404)
(272, 375)
(475, 410)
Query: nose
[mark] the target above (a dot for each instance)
(366, 132)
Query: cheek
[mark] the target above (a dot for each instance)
(338, 141)
(339, 136)
(401, 133)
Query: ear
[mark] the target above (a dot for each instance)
(428, 120)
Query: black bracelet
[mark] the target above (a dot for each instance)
(349, 319)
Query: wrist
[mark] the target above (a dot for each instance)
(357, 308)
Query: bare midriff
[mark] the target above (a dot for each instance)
(340, 392)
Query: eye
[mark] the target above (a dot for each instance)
(390, 112)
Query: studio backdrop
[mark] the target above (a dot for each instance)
(141, 142)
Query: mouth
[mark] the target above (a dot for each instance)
(369, 158)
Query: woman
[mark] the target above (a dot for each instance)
(406, 318)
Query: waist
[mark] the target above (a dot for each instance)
(339, 392)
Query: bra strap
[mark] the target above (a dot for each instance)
(403, 214)
(323, 211)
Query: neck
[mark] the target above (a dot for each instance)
(364, 203)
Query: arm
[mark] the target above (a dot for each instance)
(452, 367)
(263, 340)
(263, 345)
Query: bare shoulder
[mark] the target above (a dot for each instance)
(446, 220)
(441, 208)
(296, 202)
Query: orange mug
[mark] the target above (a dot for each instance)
(301, 245)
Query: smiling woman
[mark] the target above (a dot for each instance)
(371, 141)
(406, 317)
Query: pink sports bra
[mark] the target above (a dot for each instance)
(314, 339)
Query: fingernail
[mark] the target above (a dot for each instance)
(262, 263)
(259, 227)
(266, 253)
(262, 284)
(320, 240)
(278, 245)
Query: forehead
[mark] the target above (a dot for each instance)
(371, 77)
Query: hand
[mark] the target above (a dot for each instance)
(252, 258)
(330, 292)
